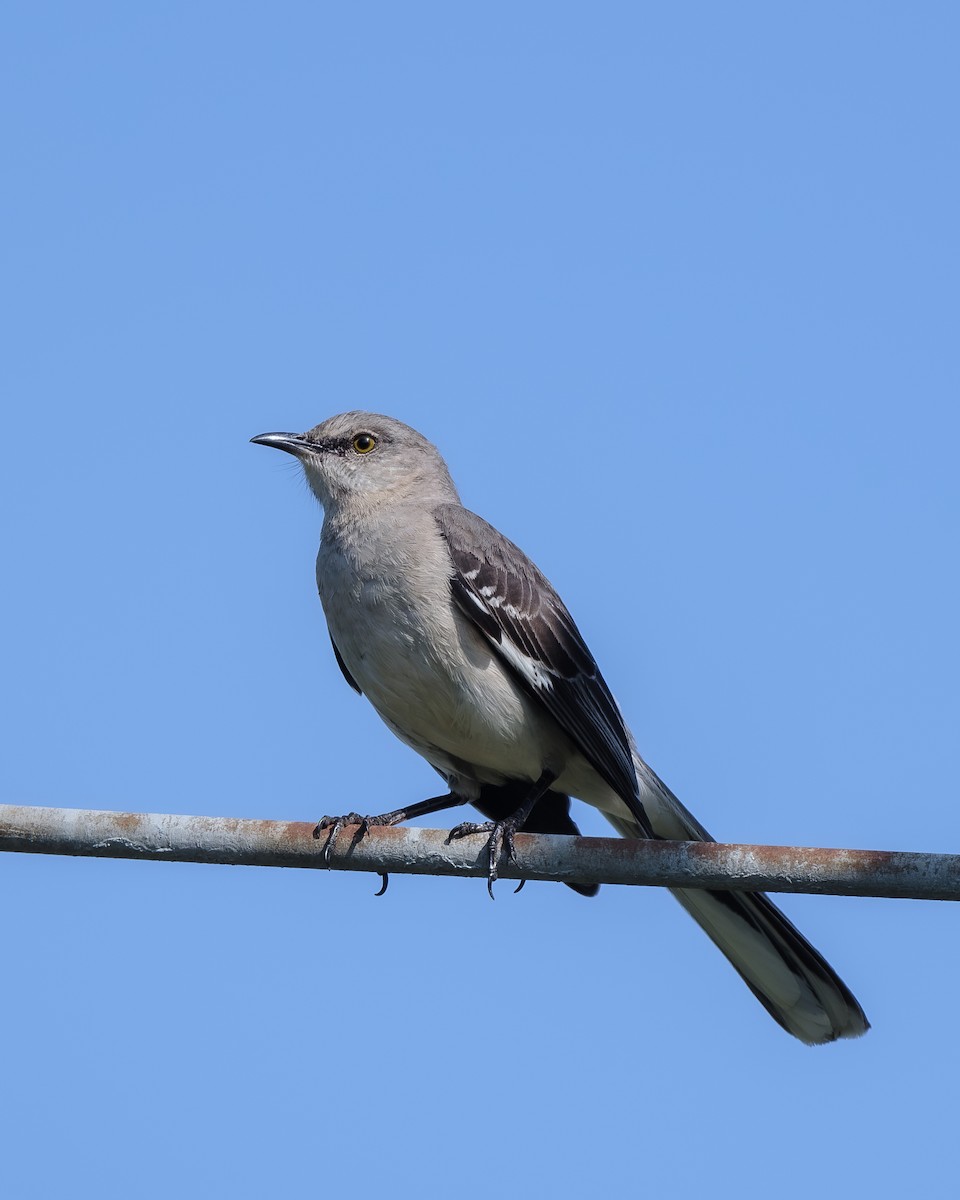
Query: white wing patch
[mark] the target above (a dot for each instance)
(493, 601)
(539, 677)
(489, 593)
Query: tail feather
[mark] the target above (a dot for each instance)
(790, 978)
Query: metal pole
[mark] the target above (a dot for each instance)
(237, 842)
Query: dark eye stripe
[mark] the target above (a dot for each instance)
(340, 445)
(329, 445)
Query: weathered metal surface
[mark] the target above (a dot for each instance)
(239, 842)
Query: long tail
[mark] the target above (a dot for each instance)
(792, 980)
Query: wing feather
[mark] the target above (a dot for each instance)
(519, 612)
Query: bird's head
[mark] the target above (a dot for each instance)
(361, 457)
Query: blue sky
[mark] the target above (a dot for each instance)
(674, 288)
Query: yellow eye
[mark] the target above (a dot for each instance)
(363, 443)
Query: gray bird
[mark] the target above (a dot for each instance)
(469, 655)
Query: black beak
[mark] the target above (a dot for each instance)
(293, 443)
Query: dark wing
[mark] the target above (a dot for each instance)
(343, 667)
(517, 609)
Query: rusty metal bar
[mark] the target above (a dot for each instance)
(237, 842)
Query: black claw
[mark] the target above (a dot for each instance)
(493, 854)
(509, 843)
(335, 828)
(383, 886)
(467, 827)
(519, 887)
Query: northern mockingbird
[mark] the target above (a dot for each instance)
(469, 655)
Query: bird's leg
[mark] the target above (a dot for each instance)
(501, 832)
(336, 824)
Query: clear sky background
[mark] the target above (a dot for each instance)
(674, 288)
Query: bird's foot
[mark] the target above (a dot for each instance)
(364, 825)
(337, 824)
(501, 839)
